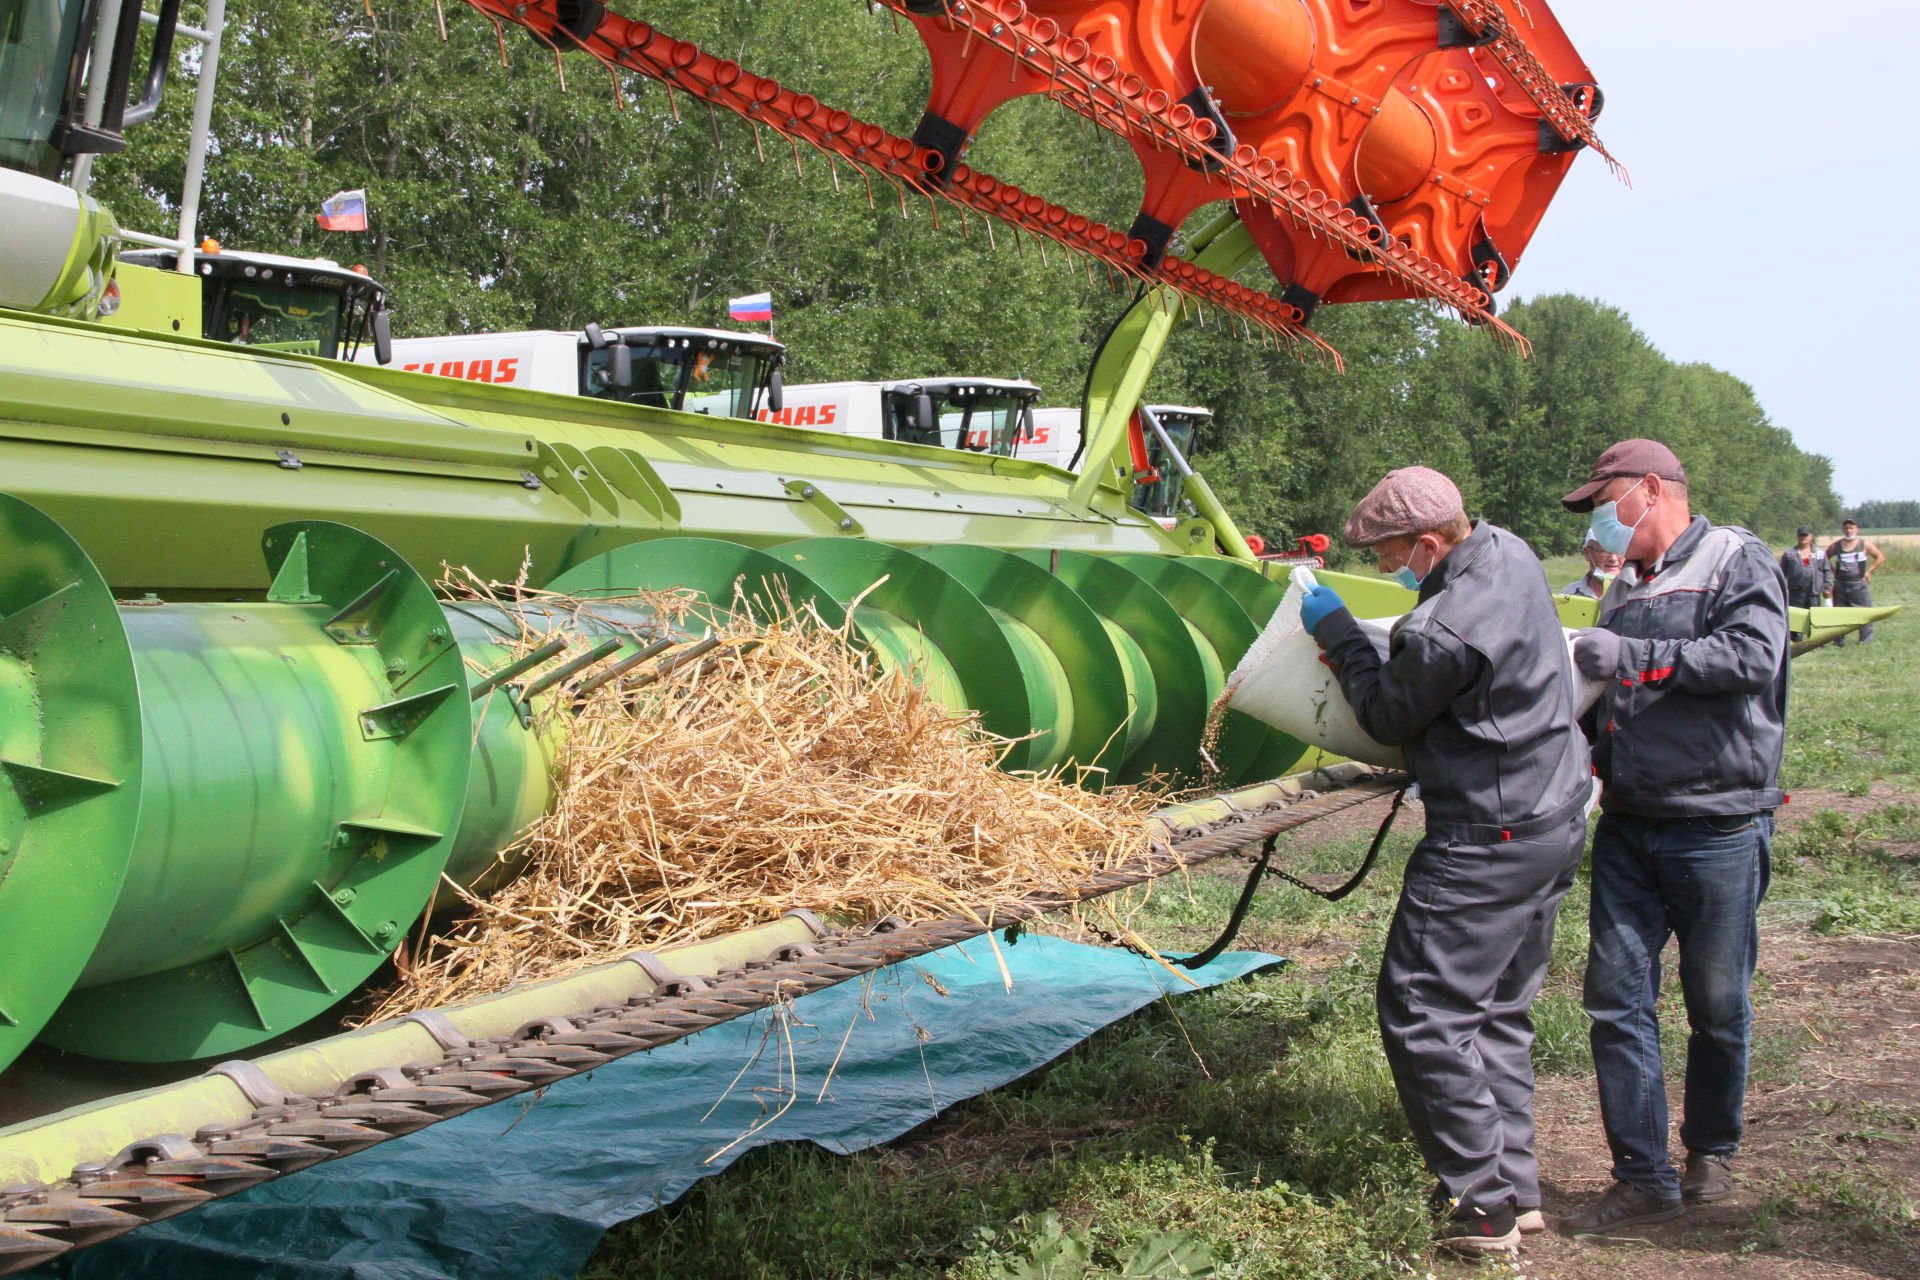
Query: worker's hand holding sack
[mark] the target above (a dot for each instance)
(1282, 681)
(1596, 655)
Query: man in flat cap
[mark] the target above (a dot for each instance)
(1687, 737)
(1477, 691)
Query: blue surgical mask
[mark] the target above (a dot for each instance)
(1608, 531)
(1404, 574)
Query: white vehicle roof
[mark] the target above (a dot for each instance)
(941, 384)
(1185, 410)
(689, 331)
(246, 257)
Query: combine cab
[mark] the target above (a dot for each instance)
(710, 371)
(310, 306)
(979, 415)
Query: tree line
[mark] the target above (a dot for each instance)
(1885, 515)
(511, 187)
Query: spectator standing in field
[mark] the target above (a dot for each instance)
(1853, 560)
(1692, 645)
(1602, 565)
(1476, 688)
(1807, 572)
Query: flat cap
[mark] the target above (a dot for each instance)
(1406, 503)
(1628, 458)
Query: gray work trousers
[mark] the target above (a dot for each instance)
(1853, 592)
(1465, 957)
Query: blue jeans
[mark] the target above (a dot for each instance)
(1700, 880)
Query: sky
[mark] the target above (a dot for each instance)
(1769, 229)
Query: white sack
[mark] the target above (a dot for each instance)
(1282, 682)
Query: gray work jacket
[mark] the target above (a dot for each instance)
(1694, 720)
(1809, 576)
(1476, 690)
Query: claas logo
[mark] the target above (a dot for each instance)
(502, 370)
(803, 415)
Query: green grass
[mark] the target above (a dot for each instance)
(1252, 1130)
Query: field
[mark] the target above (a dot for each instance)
(1252, 1131)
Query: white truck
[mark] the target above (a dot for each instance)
(712, 371)
(985, 415)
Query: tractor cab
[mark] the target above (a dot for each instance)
(984, 415)
(310, 306)
(1160, 472)
(711, 371)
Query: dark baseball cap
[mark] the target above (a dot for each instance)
(1804, 531)
(1628, 458)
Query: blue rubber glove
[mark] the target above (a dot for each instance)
(1316, 604)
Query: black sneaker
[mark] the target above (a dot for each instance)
(1709, 1177)
(1474, 1232)
(1624, 1205)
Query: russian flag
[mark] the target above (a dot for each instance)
(343, 211)
(755, 306)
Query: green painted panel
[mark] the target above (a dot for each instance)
(70, 764)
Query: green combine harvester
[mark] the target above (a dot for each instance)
(242, 739)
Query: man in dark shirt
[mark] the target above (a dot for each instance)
(1809, 577)
(1477, 690)
(1687, 738)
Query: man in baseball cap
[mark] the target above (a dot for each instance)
(1475, 687)
(1687, 737)
(1807, 570)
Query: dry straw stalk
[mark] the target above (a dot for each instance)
(785, 769)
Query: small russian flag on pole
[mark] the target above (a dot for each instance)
(755, 306)
(343, 211)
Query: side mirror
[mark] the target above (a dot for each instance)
(922, 412)
(594, 337)
(382, 337)
(776, 391)
(620, 366)
(1026, 424)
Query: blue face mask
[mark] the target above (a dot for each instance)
(1608, 531)
(1404, 574)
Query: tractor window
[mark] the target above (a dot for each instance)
(722, 383)
(1162, 497)
(36, 50)
(673, 375)
(279, 317)
(975, 419)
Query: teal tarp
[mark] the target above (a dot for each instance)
(526, 1187)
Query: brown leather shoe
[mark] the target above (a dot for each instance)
(1624, 1205)
(1709, 1177)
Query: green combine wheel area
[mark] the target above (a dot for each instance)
(221, 818)
(307, 762)
(70, 759)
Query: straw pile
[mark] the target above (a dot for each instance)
(784, 770)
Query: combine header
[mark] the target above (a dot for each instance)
(242, 740)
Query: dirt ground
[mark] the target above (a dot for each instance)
(1842, 1127)
(1835, 1131)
